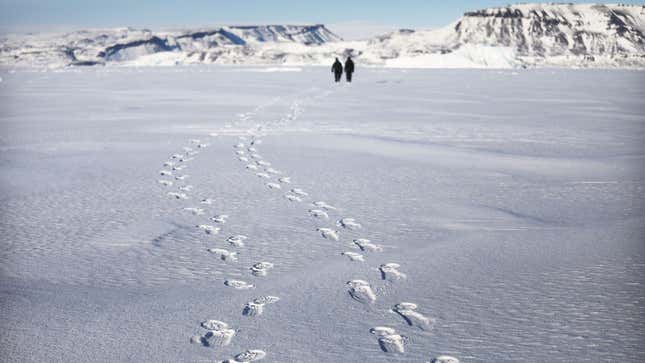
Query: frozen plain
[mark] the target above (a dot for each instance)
(513, 202)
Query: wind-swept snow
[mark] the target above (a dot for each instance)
(422, 215)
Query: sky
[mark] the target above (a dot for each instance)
(350, 18)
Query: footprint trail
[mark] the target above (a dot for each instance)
(359, 290)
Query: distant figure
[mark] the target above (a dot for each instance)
(337, 69)
(349, 69)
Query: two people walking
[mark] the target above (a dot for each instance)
(337, 69)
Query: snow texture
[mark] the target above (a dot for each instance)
(453, 215)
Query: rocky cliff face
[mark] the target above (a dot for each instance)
(559, 30)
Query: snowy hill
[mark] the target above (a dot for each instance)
(513, 36)
(128, 45)
(527, 34)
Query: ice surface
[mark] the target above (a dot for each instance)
(513, 202)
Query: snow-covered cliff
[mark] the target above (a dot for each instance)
(128, 45)
(514, 36)
(608, 34)
(527, 34)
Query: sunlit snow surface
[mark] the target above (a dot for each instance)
(512, 203)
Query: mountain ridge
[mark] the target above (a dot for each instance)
(522, 35)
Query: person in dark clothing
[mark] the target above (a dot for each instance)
(349, 69)
(337, 70)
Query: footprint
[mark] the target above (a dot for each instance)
(179, 167)
(273, 171)
(195, 141)
(323, 205)
(390, 272)
(237, 240)
(252, 167)
(168, 163)
(285, 180)
(208, 229)
(366, 245)
(353, 256)
(165, 173)
(349, 223)
(220, 218)
(274, 186)
(178, 195)
(186, 188)
(177, 156)
(239, 146)
(243, 158)
(240, 152)
(218, 335)
(251, 149)
(203, 146)
(263, 175)
(192, 153)
(166, 183)
(319, 213)
(186, 159)
(261, 268)
(182, 177)
(266, 299)
(207, 201)
(253, 309)
(256, 307)
(256, 142)
(214, 325)
(389, 340)
(250, 355)
(194, 211)
(256, 156)
(411, 316)
(263, 163)
(223, 254)
(293, 198)
(238, 284)
(329, 233)
(300, 192)
(361, 291)
(445, 359)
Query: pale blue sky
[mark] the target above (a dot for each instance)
(25, 15)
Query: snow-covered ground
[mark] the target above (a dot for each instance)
(509, 206)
